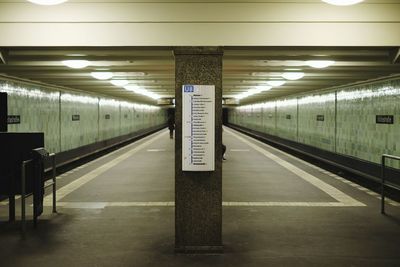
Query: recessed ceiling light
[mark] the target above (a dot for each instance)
(320, 64)
(132, 87)
(47, 2)
(101, 75)
(342, 2)
(263, 88)
(293, 75)
(271, 74)
(119, 82)
(276, 83)
(76, 64)
(136, 89)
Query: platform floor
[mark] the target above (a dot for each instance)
(278, 211)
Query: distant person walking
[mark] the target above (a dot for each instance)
(223, 148)
(171, 126)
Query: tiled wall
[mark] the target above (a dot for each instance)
(316, 122)
(38, 109)
(286, 118)
(341, 120)
(269, 117)
(358, 134)
(76, 133)
(51, 111)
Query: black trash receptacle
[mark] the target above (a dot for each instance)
(39, 155)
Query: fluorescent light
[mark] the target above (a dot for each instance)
(76, 64)
(262, 88)
(119, 82)
(276, 83)
(47, 2)
(271, 74)
(131, 87)
(102, 75)
(136, 89)
(293, 75)
(342, 2)
(254, 91)
(320, 64)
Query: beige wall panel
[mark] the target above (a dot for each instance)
(210, 34)
(73, 11)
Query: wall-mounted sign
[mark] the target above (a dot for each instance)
(13, 119)
(385, 119)
(198, 128)
(320, 117)
(76, 117)
(108, 116)
(288, 117)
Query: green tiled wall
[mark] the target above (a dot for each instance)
(127, 118)
(349, 126)
(286, 118)
(269, 117)
(78, 132)
(315, 132)
(358, 134)
(109, 119)
(50, 111)
(39, 111)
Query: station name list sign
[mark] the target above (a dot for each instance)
(198, 126)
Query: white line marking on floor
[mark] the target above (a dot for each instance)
(69, 188)
(328, 189)
(102, 205)
(239, 150)
(372, 193)
(156, 150)
(395, 203)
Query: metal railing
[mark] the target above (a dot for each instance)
(24, 195)
(384, 157)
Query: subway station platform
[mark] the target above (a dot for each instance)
(118, 210)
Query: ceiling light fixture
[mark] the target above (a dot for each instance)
(262, 88)
(76, 64)
(342, 2)
(254, 91)
(276, 83)
(271, 74)
(320, 64)
(136, 89)
(102, 75)
(119, 82)
(47, 2)
(293, 75)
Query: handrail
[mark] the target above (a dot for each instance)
(383, 174)
(23, 189)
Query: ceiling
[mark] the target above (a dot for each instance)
(243, 68)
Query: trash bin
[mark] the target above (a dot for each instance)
(39, 156)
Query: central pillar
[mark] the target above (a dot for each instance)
(198, 194)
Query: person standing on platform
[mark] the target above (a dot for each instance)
(171, 126)
(223, 149)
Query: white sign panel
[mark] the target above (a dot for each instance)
(198, 126)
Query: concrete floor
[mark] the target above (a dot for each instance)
(278, 211)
